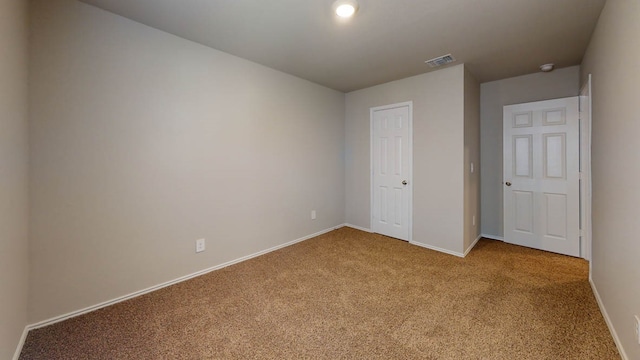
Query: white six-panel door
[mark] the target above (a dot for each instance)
(390, 170)
(541, 175)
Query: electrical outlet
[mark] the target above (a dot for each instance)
(200, 245)
(472, 168)
(637, 329)
(313, 214)
(473, 220)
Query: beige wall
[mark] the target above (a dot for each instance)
(612, 59)
(13, 174)
(144, 142)
(493, 96)
(471, 155)
(438, 110)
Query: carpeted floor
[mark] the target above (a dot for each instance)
(353, 295)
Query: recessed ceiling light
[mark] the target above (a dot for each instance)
(547, 67)
(345, 8)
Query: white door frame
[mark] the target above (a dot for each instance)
(371, 161)
(585, 170)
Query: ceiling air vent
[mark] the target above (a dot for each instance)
(441, 60)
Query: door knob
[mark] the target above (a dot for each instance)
(507, 183)
(404, 182)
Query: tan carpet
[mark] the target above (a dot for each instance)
(353, 295)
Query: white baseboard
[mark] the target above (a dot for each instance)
(607, 320)
(431, 247)
(446, 251)
(466, 252)
(492, 237)
(454, 253)
(16, 355)
(168, 283)
(358, 228)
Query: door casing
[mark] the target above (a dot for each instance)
(585, 170)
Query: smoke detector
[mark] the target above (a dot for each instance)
(547, 67)
(440, 60)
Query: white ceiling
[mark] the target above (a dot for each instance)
(386, 40)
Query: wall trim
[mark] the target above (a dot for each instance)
(607, 320)
(454, 253)
(23, 338)
(135, 294)
(358, 228)
(492, 237)
(435, 248)
(473, 244)
(431, 247)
